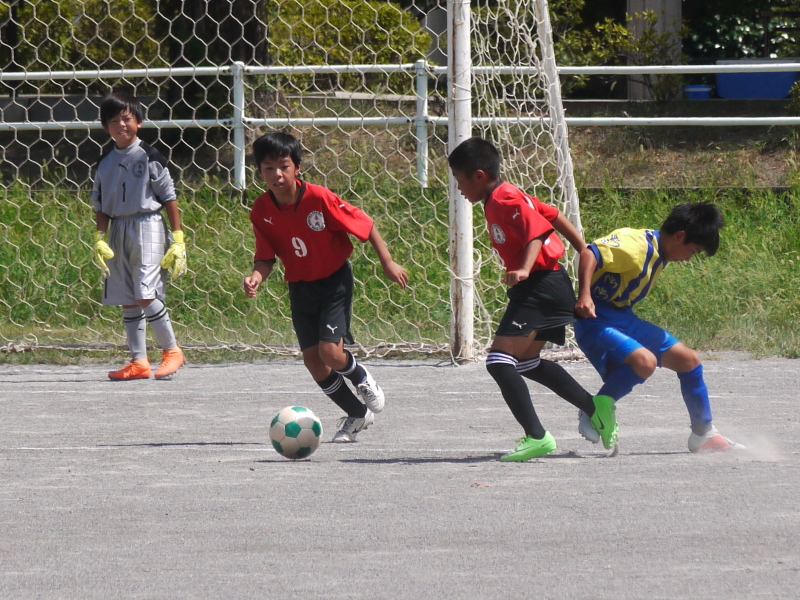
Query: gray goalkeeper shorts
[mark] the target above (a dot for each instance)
(139, 243)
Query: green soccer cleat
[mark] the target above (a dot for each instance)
(604, 420)
(528, 448)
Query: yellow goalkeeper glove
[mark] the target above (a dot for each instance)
(175, 258)
(101, 252)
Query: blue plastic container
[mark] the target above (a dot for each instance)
(697, 92)
(754, 85)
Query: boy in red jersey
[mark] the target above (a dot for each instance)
(308, 228)
(541, 297)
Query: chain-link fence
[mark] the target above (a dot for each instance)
(356, 81)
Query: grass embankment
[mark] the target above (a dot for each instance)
(745, 298)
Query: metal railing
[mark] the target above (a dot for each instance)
(421, 120)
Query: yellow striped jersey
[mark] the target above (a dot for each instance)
(628, 264)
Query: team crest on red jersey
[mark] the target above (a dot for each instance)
(498, 235)
(316, 221)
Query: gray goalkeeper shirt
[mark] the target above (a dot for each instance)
(132, 181)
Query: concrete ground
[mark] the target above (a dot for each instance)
(154, 489)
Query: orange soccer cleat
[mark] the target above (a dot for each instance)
(136, 369)
(171, 361)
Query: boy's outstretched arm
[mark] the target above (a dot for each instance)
(261, 270)
(586, 266)
(565, 227)
(391, 269)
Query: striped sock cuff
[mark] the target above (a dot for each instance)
(131, 315)
(351, 362)
(527, 365)
(158, 316)
(331, 388)
(495, 357)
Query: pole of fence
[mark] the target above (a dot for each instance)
(237, 72)
(421, 119)
(459, 110)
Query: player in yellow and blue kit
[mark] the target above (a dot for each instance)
(615, 273)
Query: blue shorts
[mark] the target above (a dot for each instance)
(609, 338)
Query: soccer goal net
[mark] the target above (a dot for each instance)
(362, 84)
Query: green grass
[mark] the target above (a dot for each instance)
(744, 298)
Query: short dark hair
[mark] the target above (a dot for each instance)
(277, 145)
(700, 220)
(118, 102)
(474, 154)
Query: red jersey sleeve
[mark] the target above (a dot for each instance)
(264, 249)
(530, 218)
(532, 222)
(346, 217)
(546, 210)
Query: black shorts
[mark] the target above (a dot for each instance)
(321, 309)
(544, 302)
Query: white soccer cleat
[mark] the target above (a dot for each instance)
(586, 429)
(350, 426)
(371, 393)
(712, 441)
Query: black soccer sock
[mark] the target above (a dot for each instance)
(554, 377)
(502, 368)
(353, 371)
(336, 389)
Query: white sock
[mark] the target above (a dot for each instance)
(135, 332)
(158, 317)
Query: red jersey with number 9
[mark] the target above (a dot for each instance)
(514, 219)
(310, 237)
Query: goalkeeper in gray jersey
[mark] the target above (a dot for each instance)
(131, 246)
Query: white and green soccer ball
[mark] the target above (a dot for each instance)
(295, 432)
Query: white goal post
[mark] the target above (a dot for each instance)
(376, 120)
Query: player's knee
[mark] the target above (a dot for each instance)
(314, 364)
(643, 364)
(691, 360)
(316, 368)
(681, 359)
(332, 355)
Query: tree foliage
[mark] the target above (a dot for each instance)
(336, 32)
(52, 35)
(734, 29)
(611, 42)
(650, 47)
(41, 35)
